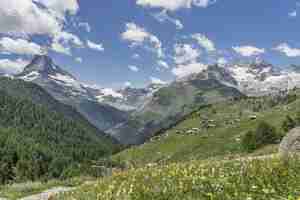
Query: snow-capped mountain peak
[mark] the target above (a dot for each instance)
(43, 71)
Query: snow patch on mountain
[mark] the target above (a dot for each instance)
(108, 92)
(67, 81)
(31, 76)
(261, 79)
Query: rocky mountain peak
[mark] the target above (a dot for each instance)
(44, 65)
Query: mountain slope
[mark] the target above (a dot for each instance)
(37, 143)
(215, 131)
(36, 94)
(170, 104)
(68, 90)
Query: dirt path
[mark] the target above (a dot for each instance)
(48, 193)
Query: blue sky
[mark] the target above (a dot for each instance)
(110, 43)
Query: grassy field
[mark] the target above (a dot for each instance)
(232, 121)
(262, 179)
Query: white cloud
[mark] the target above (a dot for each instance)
(133, 68)
(59, 7)
(63, 41)
(155, 80)
(185, 53)
(68, 39)
(59, 48)
(248, 51)
(163, 64)
(78, 59)
(163, 17)
(25, 17)
(12, 66)
(138, 36)
(293, 13)
(95, 46)
(204, 42)
(287, 50)
(40, 17)
(173, 5)
(86, 26)
(187, 69)
(19, 46)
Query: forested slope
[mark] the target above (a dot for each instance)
(38, 143)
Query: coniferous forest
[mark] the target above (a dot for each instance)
(36, 143)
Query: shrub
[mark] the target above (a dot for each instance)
(249, 141)
(288, 124)
(264, 134)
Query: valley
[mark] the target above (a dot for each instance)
(191, 125)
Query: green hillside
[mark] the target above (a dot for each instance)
(219, 129)
(36, 143)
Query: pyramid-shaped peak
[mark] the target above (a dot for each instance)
(41, 63)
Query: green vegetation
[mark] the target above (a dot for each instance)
(165, 96)
(258, 179)
(222, 127)
(263, 135)
(288, 124)
(38, 144)
(32, 92)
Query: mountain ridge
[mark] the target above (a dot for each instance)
(136, 114)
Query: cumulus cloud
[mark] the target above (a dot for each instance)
(95, 46)
(287, 50)
(174, 4)
(163, 17)
(138, 36)
(26, 17)
(59, 7)
(187, 60)
(63, 41)
(155, 80)
(19, 46)
(204, 42)
(59, 48)
(248, 51)
(68, 39)
(133, 68)
(185, 53)
(12, 66)
(40, 17)
(187, 69)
